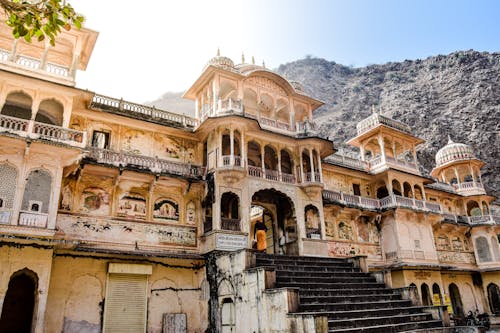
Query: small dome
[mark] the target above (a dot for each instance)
(221, 62)
(297, 86)
(454, 152)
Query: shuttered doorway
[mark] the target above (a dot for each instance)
(126, 303)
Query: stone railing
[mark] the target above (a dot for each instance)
(456, 257)
(226, 160)
(349, 162)
(36, 130)
(308, 178)
(155, 165)
(349, 199)
(485, 219)
(272, 175)
(376, 119)
(34, 64)
(410, 254)
(441, 186)
(145, 112)
(230, 224)
(393, 200)
(469, 188)
(32, 219)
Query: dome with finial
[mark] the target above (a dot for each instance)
(221, 62)
(452, 152)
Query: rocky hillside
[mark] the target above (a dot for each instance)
(456, 95)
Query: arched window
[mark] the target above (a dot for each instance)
(495, 247)
(473, 208)
(286, 162)
(228, 316)
(494, 298)
(418, 192)
(396, 187)
(382, 192)
(456, 300)
(229, 209)
(254, 154)
(37, 192)
(483, 249)
(18, 104)
(436, 295)
(407, 190)
(426, 295)
(51, 112)
(486, 210)
(312, 222)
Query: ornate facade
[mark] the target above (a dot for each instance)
(121, 217)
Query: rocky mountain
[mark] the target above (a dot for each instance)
(457, 95)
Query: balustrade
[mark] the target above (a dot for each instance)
(226, 160)
(376, 119)
(272, 175)
(230, 224)
(32, 219)
(13, 124)
(254, 171)
(153, 164)
(349, 162)
(287, 178)
(35, 64)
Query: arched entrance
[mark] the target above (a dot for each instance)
(19, 303)
(277, 211)
(426, 297)
(456, 301)
(494, 298)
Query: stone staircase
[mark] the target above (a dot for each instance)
(352, 300)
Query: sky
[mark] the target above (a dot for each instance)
(146, 48)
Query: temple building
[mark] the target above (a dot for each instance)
(121, 217)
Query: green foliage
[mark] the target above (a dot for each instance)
(40, 19)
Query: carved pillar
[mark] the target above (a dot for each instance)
(13, 54)
(54, 198)
(394, 150)
(472, 174)
(263, 156)
(243, 158)
(301, 166)
(382, 148)
(456, 175)
(279, 164)
(43, 64)
(74, 65)
(197, 108)
(320, 170)
(311, 161)
(231, 139)
(362, 151)
(414, 154)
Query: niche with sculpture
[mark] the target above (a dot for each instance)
(166, 210)
(132, 206)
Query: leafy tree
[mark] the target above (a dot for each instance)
(40, 19)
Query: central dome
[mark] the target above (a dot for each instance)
(454, 151)
(221, 62)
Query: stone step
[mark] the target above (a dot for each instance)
(312, 268)
(354, 305)
(351, 314)
(339, 285)
(289, 272)
(346, 292)
(348, 298)
(279, 257)
(313, 279)
(305, 263)
(373, 321)
(391, 328)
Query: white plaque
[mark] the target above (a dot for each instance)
(230, 242)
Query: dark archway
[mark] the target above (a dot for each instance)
(382, 192)
(229, 212)
(19, 303)
(456, 301)
(426, 295)
(494, 298)
(284, 225)
(436, 294)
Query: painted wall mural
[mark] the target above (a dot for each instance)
(345, 231)
(134, 142)
(171, 147)
(191, 213)
(165, 209)
(95, 201)
(132, 205)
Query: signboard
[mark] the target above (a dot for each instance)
(447, 302)
(228, 242)
(436, 300)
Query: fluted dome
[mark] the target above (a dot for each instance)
(453, 151)
(221, 62)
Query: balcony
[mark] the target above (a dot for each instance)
(272, 175)
(469, 188)
(349, 162)
(49, 70)
(472, 220)
(235, 107)
(35, 130)
(375, 165)
(152, 164)
(351, 200)
(376, 119)
(394, 201)
(32, 219)
(139, 111)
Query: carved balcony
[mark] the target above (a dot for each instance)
(33, 219)
(351, 200)
(469, 188)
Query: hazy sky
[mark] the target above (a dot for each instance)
(146, 48)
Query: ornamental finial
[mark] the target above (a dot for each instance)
(449, 139)
(218, 51)
(253, 60)
(374, 110)
(263, 64)
(242, 57)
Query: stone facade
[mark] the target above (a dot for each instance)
(125, 217)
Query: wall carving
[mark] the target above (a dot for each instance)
(132, 206)
(347, 249)
(124, 232)
(165, 209)
(95, 201)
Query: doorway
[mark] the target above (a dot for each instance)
(456, 300)
(19, 303)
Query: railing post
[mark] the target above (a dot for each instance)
(31, 125)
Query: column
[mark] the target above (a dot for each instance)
(197, 108)
(243, 150)
(13, 54)
(74, 65)
(394, 150)
(301, 166)
(320, 170)
(456, 175)
(231, 139)
(219, 155)
(472, 174)
(215, 97)
(43, 64)
(279, 163)
(54, 198)
(262, 157)
(362, 152)
(311, 161)
(414, 154)
(382, 148)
